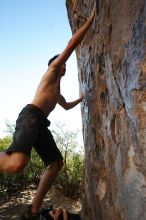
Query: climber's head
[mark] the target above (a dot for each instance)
(52, 59)
(62, 68)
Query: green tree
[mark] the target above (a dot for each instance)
(70, 177)
(11, 183)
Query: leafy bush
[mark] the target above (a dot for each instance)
(13, 182)
(70, 177)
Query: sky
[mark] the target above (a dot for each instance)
(32, 32)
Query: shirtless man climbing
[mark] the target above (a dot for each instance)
(31, 125)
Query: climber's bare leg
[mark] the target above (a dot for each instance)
(46, 181)
(13, 162)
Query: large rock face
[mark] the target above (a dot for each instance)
(112, 74)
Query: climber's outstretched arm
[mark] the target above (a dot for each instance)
(74, 42)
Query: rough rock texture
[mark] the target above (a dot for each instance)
(112, 74)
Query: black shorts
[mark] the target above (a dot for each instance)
(32, 131)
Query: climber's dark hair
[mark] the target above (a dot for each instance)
(52, 59)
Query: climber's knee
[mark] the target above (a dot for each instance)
(57, 164)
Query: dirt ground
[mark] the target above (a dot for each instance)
(18, 204)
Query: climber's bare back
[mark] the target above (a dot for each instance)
(48, 91)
